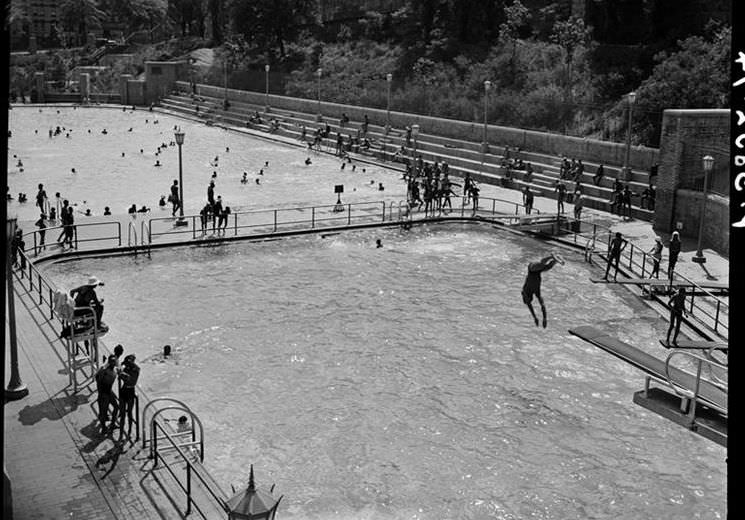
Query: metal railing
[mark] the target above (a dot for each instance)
(692, 394)
(708, 308)
(77, 239)
(173, 439)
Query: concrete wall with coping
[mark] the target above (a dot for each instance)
(716, 218)
(590, 150)
(160, 77)
(687, 136)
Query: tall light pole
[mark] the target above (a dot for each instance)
(487, 87)
(630, 100)
(708, 166)
(266, 96)
(16, 389)
(389, 80)
(319, 72)
(179, 141)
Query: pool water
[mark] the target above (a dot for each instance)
(104, 178)
(408, 381)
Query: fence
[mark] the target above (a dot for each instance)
(709, 309)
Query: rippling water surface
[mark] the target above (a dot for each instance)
(408, 381)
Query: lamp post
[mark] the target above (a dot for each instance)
(179, 141)
(319, 72)
(708, 166)
(487, 87)
(266, 96)
(389, 80)
(630, 99)
(16, 389)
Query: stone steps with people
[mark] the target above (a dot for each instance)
(462, 156)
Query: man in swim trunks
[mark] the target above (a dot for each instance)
(677, 310)
(532, 286)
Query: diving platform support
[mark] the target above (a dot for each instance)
(697, 401)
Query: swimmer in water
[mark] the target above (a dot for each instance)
(378, 243)
(308, 161)
(532, 286)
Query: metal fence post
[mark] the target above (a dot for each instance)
(349, 216)
(235, 224)
(275, 220)
(41, 297)
(313, 217)
(188, 488)
(51, 304)
(716, 319)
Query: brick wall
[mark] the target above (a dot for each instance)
(716, 218)
(687, 136)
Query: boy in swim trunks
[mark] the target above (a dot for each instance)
(532, 286)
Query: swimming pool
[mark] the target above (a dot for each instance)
(408, 381)
(104, 178)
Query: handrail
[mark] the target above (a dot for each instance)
(693, 394)
(189, 471)
(131, 229)
(628, 260)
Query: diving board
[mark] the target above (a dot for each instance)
(697, 345)
(708, 393)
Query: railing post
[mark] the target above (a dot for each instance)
(75, 232)
(631, 258)
(383, 220)
(694, 401)
(493, 206)
(275, 220)
(119, 232)
(188, 487)
(693, 295)
(41, 298)
(716, 319)
(235, 224)
(194, 227)
(51, 304)
(349, 216)
(30, 277)
(313, 217)
(644, 263)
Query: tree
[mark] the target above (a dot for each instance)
(81, 16)
(137, 14)
(694, 76)
(518, 17)
(188, 15)
(272, 23)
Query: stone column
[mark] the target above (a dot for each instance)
(85, 79)
(123, 90)
(668, 177)
(39, 85)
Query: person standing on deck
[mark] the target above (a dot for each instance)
(562, 190)
(532, 285)
(174, 198)
(677, 310)
(129, 375)
(42, 225)
(617, 245)
(674, 252)
(656, 253)
(528, 200)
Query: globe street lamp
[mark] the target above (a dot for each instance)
(630, 99)
(708, 166)
(319, 72)
(389, 79)
(179, 141)
(266, 96)
(16, 389)
(487, 87)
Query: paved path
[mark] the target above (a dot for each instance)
(59, 464)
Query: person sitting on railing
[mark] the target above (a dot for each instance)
(204, 215)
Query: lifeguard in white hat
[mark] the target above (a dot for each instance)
(86, 297)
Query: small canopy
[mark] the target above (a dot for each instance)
(252, 503)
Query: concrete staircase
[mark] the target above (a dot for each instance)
(462, 156)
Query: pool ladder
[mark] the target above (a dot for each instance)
(144, 242)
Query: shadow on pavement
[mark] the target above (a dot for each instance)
(52, 409)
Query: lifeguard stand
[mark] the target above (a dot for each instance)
(82, 362)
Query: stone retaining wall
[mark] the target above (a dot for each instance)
(590, 150)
